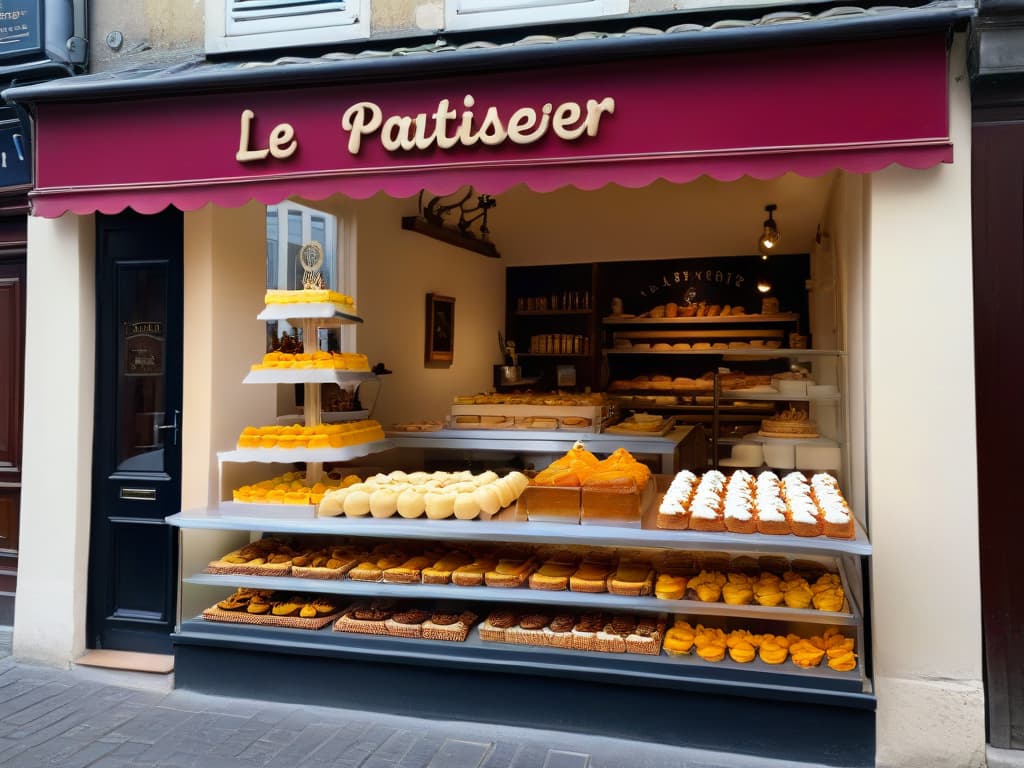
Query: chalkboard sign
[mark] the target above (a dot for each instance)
(732, 280)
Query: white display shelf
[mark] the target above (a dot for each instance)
(500, 529)
(739, 394)
(308, 310)
(273, 511)
(306, 376)
(781, 317)
(754, 437)
(747, 352)
(291, 455)
(602, 601)
(326, 417)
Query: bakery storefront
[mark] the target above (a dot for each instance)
(632, 177)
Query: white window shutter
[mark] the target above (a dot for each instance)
(247, 17)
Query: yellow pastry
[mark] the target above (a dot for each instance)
(806, 653)
(710, 643)
(828, 594)
(707, 586)
(767, 590)
(679, 639)
(738, 590)
(669, 587)
(773, 649)
(741, 646)
(796, 590)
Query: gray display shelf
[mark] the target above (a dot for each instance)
(291, 455)
(820, 684)
(497, 529)
(306, 376)
(602, 601)
(307, 310)
(750, 352)
(781, 317)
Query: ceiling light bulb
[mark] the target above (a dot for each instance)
(769, 234)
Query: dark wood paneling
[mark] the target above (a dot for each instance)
(998, 211)
(10, 500)
(12, 339)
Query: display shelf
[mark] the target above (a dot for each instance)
(267, 511)
(754, 437)
(550, 312)
(603, 601)
(291, 455)
(500, 528)
(782, 317)
(306, 376)
(747, 352)
(739, 394)
(326, 417)
(307, 311)
(553, 354)
(820, 684)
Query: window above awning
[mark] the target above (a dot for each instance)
(859, 105)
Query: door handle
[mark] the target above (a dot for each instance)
(175, 426)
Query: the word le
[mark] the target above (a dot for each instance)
(281, 143)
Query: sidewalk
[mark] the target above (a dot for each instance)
(85, 717)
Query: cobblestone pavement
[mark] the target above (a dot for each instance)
(82, 718)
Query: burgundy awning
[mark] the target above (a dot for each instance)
(859, 106)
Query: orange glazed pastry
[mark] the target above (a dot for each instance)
(773, 649)
(839, 650)
(828, 594)
(742, 646)
(710, 643)
(738, 590)
(796, 590)
(669, 587)
(706, 586)
(768, 591)
(679, 639)
(807, 652)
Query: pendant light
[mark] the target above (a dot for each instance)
(769, 237)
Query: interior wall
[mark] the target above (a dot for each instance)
(922, 470)
(225, 281)
(395, 270)
(662, 221)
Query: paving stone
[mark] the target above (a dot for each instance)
(529, 755)
(502, 754)
(421, 752)
(376, 762)
(78, 756)
(460, 754)
(152, 724)
(558, 759)
(396, 745)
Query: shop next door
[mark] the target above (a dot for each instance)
(137, 443)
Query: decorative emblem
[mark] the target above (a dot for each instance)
(311, 257)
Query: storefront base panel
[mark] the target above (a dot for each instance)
(539, 689)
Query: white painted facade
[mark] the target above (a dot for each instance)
(903, 242)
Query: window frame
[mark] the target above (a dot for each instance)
(352, 24)
(340, 241)
(513, 12)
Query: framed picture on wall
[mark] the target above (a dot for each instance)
(440, 346)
